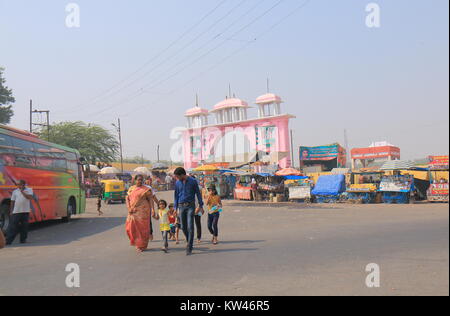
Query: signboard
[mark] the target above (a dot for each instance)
(439, 163)
(299, 193)
(324, 153)
(376, 153)
(358, 188)
(439, 189)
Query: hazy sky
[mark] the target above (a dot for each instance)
(144, 61)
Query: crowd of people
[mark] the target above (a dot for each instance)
(183, 214)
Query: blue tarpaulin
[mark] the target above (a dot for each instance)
(295, 177)
(330, 185)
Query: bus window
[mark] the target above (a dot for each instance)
(24, 153)
(59, 160)
(6, 150)
(72, 164)
(44, 158)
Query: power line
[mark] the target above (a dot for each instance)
(243, 47)
(141, 91)
(172, 44)
(164, 61)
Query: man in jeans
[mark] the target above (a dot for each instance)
(186, 189)
(20, 213)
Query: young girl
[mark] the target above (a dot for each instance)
(164, 224)
(172, 221)
(214, 204)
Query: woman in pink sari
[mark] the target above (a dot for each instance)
(140, 211)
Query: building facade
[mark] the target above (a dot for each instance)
(233, 138)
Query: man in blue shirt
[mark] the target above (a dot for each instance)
(186, 189)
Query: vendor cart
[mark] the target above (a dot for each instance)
(439, 179)
(299, 189)
(398, 189)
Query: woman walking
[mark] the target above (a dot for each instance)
(214, 204)
(140, 210)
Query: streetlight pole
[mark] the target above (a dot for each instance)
(119, 131)
(120, 143)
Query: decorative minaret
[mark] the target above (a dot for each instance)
(197, 117)
(269, 105)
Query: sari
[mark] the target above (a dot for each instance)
(140, 206)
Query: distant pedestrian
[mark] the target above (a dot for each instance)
(214, 204)
(20, 213)
(186, 190)
(99, 204)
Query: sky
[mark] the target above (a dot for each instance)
(145, 61)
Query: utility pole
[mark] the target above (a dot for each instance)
(346, 148)
(119, 131)
(31, 116)
(292, 149)
(47, 125)
(120, 143)
(157, 152)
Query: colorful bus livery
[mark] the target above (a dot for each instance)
(54, 173)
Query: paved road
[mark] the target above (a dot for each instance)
(265, 250)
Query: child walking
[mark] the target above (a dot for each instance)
(164, 224)
(172, 221)
(214, 204)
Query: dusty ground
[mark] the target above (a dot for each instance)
(289, 249)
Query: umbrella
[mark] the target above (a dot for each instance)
(94, 168)
(288, 172)
(397, 165)
(159, 166)
(143, 171)
(207, 168)
(109, 170)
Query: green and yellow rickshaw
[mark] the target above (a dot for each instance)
(114, 191)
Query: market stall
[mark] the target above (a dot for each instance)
(271, 188)
(364, 187)
(299, 188)
(329, 188)
(397, 189)
(439, 179)
(243, 189)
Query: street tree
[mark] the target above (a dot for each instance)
(95, 143)
(6, 100)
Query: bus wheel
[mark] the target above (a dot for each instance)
(4, 217)
(71, 208)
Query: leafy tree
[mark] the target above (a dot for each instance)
(6, 100)
(136, 160)
(94, 143)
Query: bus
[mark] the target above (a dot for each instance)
(54, 172)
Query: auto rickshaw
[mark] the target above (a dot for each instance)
(114, 191)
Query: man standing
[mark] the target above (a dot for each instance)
(20, 213)
(186, 189)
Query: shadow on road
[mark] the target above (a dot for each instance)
(55, 232)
